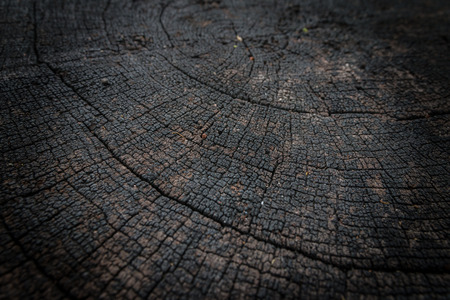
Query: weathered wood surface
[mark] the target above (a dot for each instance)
(216, 149)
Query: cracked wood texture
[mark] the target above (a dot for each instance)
(224, 149)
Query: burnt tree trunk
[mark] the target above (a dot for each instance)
(216, 149)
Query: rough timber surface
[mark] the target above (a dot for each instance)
(224, 149)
